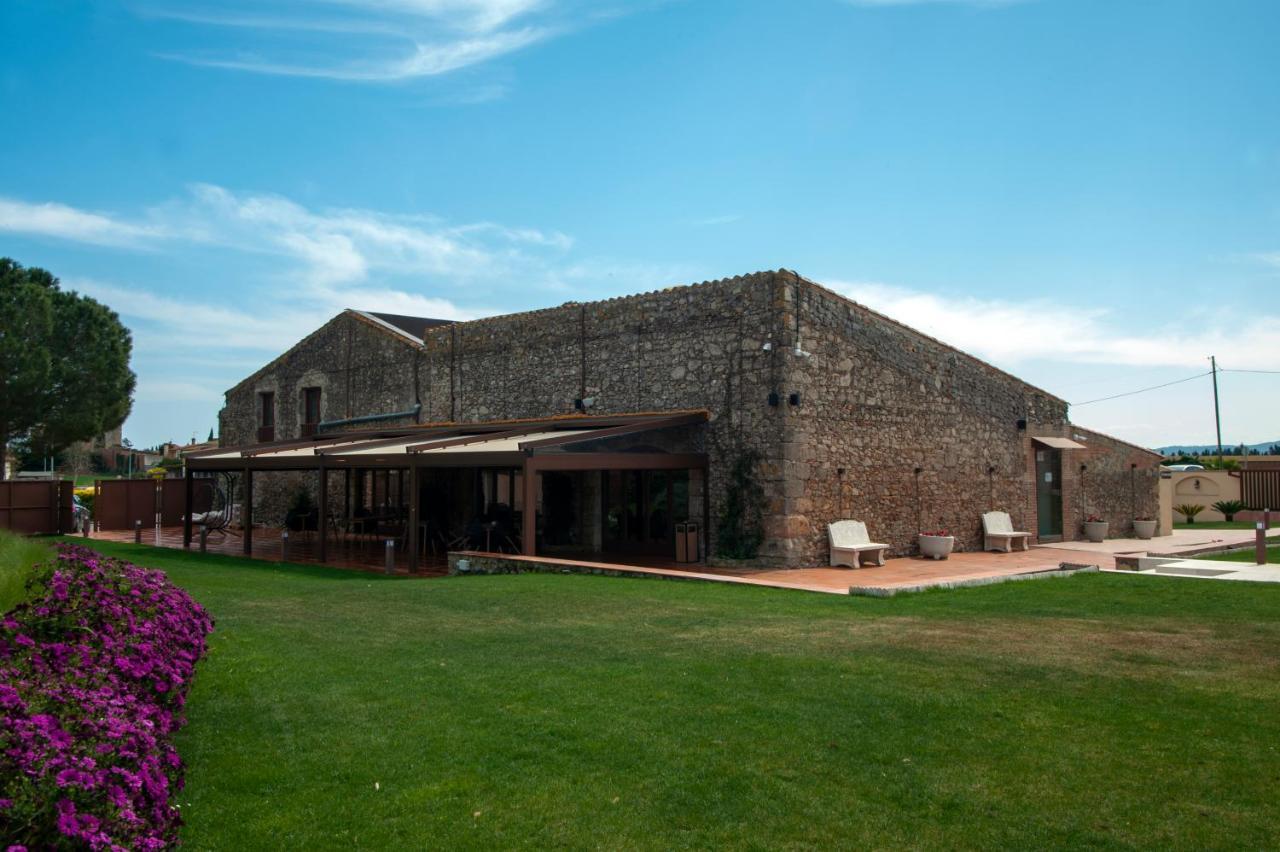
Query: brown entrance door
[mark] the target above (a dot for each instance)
(1049, 493)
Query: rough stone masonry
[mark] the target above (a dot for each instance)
(854, 415)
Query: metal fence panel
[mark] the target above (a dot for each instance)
(1260, 489)
(35, 508)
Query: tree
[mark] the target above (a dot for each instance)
(64, 362)
(78, 459)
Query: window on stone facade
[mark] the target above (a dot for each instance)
(310, 410)
(266, 416)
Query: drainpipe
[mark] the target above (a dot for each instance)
(370, 418)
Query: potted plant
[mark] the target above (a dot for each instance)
(1144, 527)
(302, 514)
(1095, 528)
(936, 544)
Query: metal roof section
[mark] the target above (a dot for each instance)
(1058, 443)
(406, 326)
(482, 443)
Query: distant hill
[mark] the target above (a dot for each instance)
(1227, 449)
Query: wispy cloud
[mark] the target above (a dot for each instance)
(712, 221)
(63, 222)
(1267, 258)
(1010, 333)
(374, 40)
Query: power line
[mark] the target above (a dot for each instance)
(1143, 390)
(1232, 370)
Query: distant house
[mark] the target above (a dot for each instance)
(596, 428)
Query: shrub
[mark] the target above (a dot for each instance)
(87, 495)
(18, 556)
(1229, 508)
(1189, 511)
(93, 677)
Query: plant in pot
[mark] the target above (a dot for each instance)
(1144, 527)
(1095, 528)
(301, 514)
(936, 544)
(1228, 508)
(1189, 511)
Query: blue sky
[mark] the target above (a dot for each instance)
(1084, 193)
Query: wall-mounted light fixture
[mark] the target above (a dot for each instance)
(794, 399)
(768, 346)
(1022, 425)
(919, 471)
(1083, 468)
(583, 403)
(991, 469)
(774, 399)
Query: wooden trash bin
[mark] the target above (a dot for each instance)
(687, 534)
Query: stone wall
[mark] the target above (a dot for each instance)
(905, 433)
(1118, 482)
(887, 425)
(701, 346)
(360, 368)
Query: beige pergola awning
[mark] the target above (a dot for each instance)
(1058, 443)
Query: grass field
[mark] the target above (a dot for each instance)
(1273, 555)
(17, 555)
(338, 709)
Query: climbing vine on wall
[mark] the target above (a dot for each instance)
(741, 530)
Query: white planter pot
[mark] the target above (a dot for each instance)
(936, 546)
(1095, 530)
(1144, 529)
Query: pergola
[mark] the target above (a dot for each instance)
(532, 446)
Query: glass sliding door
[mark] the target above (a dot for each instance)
(640, 509)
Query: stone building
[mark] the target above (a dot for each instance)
(833, 410)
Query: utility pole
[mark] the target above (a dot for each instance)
(1217, 417)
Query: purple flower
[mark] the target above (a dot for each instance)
(92, 678)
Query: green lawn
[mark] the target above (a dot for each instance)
(1273, 555)
(17, 556)
(338, 710)
(1220, 525)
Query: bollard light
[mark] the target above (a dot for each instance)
(137, 532)
(204, 538)
(284, 545)
(391, 556)
(1260, 543)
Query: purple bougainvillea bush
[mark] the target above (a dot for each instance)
(93, 676)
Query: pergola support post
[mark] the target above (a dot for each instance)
(246, 512)
(322, 525)
(529, 519)
(189, 494)
(706, 513)
(414, 512)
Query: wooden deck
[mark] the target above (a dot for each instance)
(902, 574)
(368, 554)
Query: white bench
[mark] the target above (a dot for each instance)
(999, 534)
(849, 540)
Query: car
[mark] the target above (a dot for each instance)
(1184, 467)
(79, 515)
